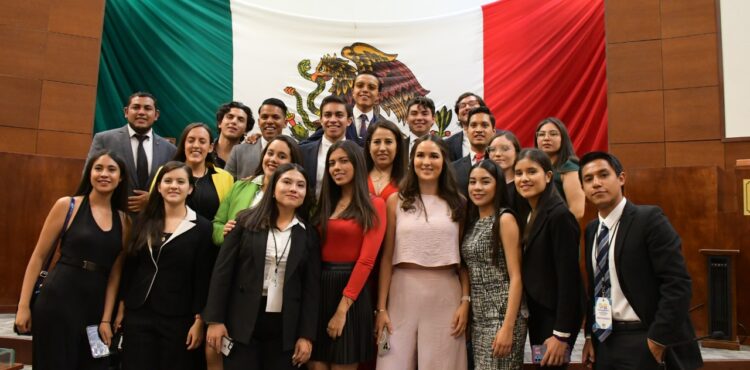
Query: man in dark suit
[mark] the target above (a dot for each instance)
(479, 130)
(142, 149)
(245, 157)
(458, 143)
(420, 117)
(637, 314)
(335, 117)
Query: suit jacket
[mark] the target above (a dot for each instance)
(310, 157)
(244, 159)
(352, 132)
(237, 285)
(118, 141)
(653, 277)
(455, 145)
(461, 169)
(175, 283)
(551, 276)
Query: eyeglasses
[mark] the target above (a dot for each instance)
(500, 148)
(551, 134)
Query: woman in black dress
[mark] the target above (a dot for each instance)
(81, 290)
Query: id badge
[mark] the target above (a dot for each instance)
(226, 345)
(603, 313)
(98, 348)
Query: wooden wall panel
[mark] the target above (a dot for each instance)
(39, 181)
(19, 102)
(632, 20)
(628, 124)
(692, 114)
(23, 52)
(695, 153)
(17, 140)
(72, 59)
(77, 17)
(57, 100)
(690, 61)
(63, 144)
(30, 14)
(634, 66)
(735, 150)
(640, 155)
(687, 17)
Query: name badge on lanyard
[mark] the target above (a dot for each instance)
(603, 313)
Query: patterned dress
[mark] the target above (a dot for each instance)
(490, 287)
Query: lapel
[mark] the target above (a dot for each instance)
(186, 224)
(259, 244)
(626, 220)
(589, 244)
(123, 141)
(296, 247)
(157, 155)
(538, 225)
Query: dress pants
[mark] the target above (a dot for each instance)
(155, 341)
(626, 348)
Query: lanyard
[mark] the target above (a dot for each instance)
(276, 251)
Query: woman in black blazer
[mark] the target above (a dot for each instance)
(551, 277)
(165, 282)
(265, 289)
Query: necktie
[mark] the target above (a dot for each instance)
(362, 125)
(601, 277)
(478, 157)
(141, 163)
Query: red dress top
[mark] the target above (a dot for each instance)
(345, 242)
(385, 192)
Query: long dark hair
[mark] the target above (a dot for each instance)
(410, 193)
(294, 153)
(399, 161)
(360, 209)
(266, 213)
(548, 196)
(499, 201)
(180, 155)
(567, 151)
(150, 222)
(119, 199)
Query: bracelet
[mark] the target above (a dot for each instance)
(379, 311)
(466, 298)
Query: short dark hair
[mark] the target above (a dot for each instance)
(330, 99)
(423, 101)
(276, 103)
(142, 94)
(226, 107)
(380, 83)
(592, 156)
(481, 109)
(466, 95)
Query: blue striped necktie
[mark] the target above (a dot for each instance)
(601, 278)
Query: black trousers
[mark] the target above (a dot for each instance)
(626, 348)
(541, 324)
(154, 341)
(265, 350)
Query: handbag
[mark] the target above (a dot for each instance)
(46, 267)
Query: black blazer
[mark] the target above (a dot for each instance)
(551, 276)
(653, 277)
(177, 284)
(310, 161)
(237, 285)
(455, 145)
(461, 169)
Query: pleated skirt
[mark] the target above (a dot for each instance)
(357, 342)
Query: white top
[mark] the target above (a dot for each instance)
(621, 308)
(277, 245)
(263, 144)
(412, 139)
(257, 180)
(325, 144)
(466, 145)
(148, 146)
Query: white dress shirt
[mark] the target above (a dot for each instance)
(466, 145)
(412, 139)
(621, 308)
(148, 146)
(357, 113)
(275, 293)
(322, 151)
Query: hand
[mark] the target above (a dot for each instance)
(195, 335)
(336, 324)
(23, 319)
(302, 352)
(555, 355)
(251, 139)
(214, 335)
(138, 201)
(503, 342)
(105, 332)
(382, 322)
(229, 226)
(587, 356)
(657, 350)
(460, 319)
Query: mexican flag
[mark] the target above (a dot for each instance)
(529, 59)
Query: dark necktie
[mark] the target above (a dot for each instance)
(601, 277)
(141, 163)
(362, 125)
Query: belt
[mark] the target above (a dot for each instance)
(338, 266)
(83, 264)
(628, 326)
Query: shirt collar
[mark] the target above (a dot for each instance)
(263, 142)
(325, 143)
(295, 221)
(412, 137)
(356, 112)
(258, 180)
(614, 216)
(132, 132)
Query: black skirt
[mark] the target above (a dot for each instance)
(357, 342)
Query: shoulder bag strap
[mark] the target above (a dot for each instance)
(51, 255)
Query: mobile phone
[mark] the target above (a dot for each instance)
(226, 345)
(384, 343)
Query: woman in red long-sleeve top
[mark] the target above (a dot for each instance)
(352, 226)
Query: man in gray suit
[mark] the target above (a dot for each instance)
(245, 157)
(142, 149)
